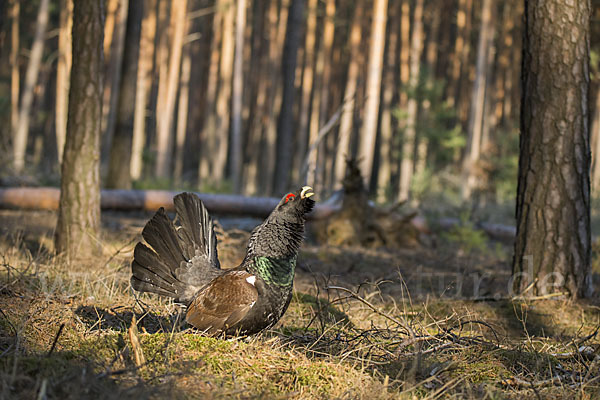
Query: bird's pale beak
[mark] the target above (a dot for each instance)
(306, 192)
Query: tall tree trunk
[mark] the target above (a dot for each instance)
(369, 128)
(223, 97)
(31, 76)
(208, 133)
(145, 62)
(408, 146)
(384, 175)
(307, 82)
(78, 224)
(63, 71)
(119, 176)
(404, 57)
(15, 79)
(237, 98)
(182, 111)
(595, 134)
(347, 117)
(473, 150)
(283, 162)
(165, 121)
(553, 243)
(462, 41)
(114, 58)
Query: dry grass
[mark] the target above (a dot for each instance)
(65, 331)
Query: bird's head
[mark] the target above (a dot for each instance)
(296, 204)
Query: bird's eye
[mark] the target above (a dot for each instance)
(289, 197)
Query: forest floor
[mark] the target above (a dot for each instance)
(424, 322)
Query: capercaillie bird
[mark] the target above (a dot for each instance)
(181, 262)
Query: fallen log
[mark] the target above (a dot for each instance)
(47, 198)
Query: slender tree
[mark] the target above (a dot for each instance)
(15, 79)
(119, 176)
(78, 224)
(31, 77)
(237, 97)
(283, 163)
(553, 244)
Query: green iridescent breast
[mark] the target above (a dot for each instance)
(277, 271)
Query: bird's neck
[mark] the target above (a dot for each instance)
(274, 271)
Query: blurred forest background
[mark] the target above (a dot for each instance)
(254, 97)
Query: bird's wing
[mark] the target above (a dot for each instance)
(222, 304)
(198, 241)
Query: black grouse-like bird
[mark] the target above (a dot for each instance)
(182, 263)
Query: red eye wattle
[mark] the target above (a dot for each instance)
(289, 197)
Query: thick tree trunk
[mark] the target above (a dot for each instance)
(369, 128)
(285, 122)
(237, 98)
(146, 60)
(63, 71)
(475, 128)
(78, 224)
(552, 248)
(31, 76)
(119, 176)
(347, 118)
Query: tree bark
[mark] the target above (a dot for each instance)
(553, 244)
(15, 79)
(119, 176)
(31, 76)
(165, 121)
(374, 71)
(347, 118)
(475, 128)
(283, 162)
(63, 71)
(408, 146)
(145, 63)
(78, 224)
(182, 111)
(238, 98)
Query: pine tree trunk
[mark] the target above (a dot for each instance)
(369, 128)
(475, 127)
(182, 111)
(347, 117)
(31, 77)
(408, 146)
(119, 176)
(166, 115)
(595, 134)
(238, 97)
(15, 79)
(553, 244)
(307, 83)
(63, 71)
(285, 122)
(78, 225)
(144, 81)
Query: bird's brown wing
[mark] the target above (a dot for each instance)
(222, 304)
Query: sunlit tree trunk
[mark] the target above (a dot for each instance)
(347, 117)
(78, 225)
(369, 128)
(285, 125)
(31, 76)
(146, 57)
(237, 97)
(208, 134)
(475, 127)
(118, 176)
(63, 71)
(113, 55)
(408, 145)
(15, 79)
(166, 115)
(307, 82)
(182, 111)
(553, 243)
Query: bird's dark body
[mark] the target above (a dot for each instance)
(183, 264)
